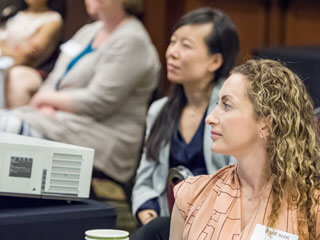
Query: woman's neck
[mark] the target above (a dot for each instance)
(38, 9)
(197, 96)
(111, 22)
(252, 171)
(109, 25)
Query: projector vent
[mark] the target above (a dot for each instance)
(65, 173)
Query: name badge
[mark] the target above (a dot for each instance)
(71, 48)
(260, 233)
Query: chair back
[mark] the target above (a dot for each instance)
(175, 176)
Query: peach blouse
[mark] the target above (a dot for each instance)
(211, 207)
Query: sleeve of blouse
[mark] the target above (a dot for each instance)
(181, 195)
(187, 191)
(192, 190)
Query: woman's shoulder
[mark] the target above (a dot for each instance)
(132, 29)
(154, 110)
(87, 30)
(201, 183)
(196, 188)
(157, 105)
(132, 26)
(53, 16)
(46, 16)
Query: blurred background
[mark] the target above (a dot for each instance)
(287, 30)
(261, 23)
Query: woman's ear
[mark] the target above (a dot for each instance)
(216, 62)
(265, 126)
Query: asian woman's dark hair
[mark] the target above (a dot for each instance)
(222, 39)
(55, 5)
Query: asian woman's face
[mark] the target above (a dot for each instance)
(188, 58)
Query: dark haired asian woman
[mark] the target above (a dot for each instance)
(202, 50)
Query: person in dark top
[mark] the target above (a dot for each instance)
(202, 50)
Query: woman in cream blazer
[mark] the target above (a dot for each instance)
(101, 102)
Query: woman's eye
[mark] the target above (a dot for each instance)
(172, 41)
(186, 45)
(226, 106)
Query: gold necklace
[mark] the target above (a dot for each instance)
(253, 197)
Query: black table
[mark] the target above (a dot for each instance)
(43, 219)
(304, 61)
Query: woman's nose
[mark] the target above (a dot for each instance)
(212, 119)
(173, 51)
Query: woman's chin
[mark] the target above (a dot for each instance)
(218, 149)
(175, 80)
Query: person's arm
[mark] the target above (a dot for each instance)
(3, 38)
(183, 193)
(48, 110)
(58, 100)
(2, 45)
(143, 189)
(177, 224)
(145, 216)
(148, 211)
(37, 47)
(40, 45)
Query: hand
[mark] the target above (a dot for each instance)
(147, 215)
(48, 110)
(41, 98)
(58, 100)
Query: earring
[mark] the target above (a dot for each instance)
(261, 135)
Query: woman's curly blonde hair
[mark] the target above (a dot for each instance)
(293, 144)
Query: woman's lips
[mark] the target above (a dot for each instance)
(171, 67)
(215, 135)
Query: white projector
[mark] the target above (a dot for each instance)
(33, 167)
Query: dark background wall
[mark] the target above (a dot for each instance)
(76, 17)
(260, 23)
(4, 3)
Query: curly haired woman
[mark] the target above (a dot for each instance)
(264, 119)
